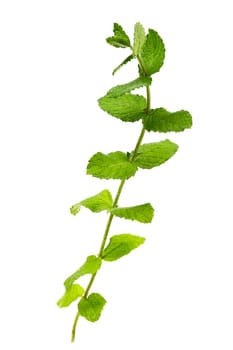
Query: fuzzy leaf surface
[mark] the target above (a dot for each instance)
(91, 265)
(127, 107)
(143, 213)
(154, 154)
(99, 202)
(121, 245)
(70, 295)
(91, 307)
(114, 165)
(126, 60)
(125, 88)
(162, 120)
(120, 38)
(153, 53)
(139, 38)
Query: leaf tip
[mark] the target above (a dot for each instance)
(75, 209)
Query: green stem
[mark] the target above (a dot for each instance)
(108, 226)
(110, 218)
(134, 153)
(148, 99)
(74, 327)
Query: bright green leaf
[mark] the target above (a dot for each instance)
(128, 59)
(143, 213)
(75, 209)
(70, 295)
(91, 265)
(153, 53)
(121, 245)
(99, 202)
(139, 38)
(91, 307)
(151, 155)
(163, 121)
(125, 88)
(114, 165)
(127, 107)
(120, 38)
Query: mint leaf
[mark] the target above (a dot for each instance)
(75, 209)
(120, 38)
(99, 202)
(151, 155)
(114, 165)
(125, 88)
(128, 59)
(70, 295)
(121, 245)
(139, 38)
(127, 107)
(143, 213)
(91, 265)
(153, 53)
(162, 120)
(91, 307)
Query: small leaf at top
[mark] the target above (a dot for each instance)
(123, 89)
(70, 295)
(128, 59)
(163, 121)
(127, 107)
(139, 38)
(153, 53)
(91, 307)
(91, 265)
(120, 38)
(115, 165)
(143, 213)
(99, 202)
(154, 154)
(121, 245)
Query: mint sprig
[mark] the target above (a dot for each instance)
(123, 103)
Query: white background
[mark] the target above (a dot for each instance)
(176, 291)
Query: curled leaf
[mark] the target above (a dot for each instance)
(99, 202)
(91, 265)
(120, 38)
(70, 295)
